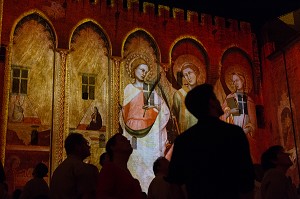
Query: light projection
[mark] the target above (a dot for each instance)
(242, 112)
(144, 118)
(188, 72)
(88, 86)
(30, 100)
(151, 101)
(150, 95)
(75, 67)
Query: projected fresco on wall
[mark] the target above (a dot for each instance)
(152, 96)
(153, 111)
(145, 113)
(130, 76)
(87, 88)
(30, 100)
(286, 132)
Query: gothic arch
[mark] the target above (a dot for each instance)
(29, 89)
(89, 76)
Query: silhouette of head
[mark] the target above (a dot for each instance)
(161, 165)
(118, 144)
(104, 157)
(201, 101)
(2, 173)
(76, 144)
(40, 170)
(275, 156)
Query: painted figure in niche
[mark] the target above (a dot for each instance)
(143, 118)
(287, 132)
(17, 112)
(96, 120)
(189, 73)
(239, 109)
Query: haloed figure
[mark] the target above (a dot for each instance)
(184, 118)
(243, 114)
(143, 119)
(287, 133)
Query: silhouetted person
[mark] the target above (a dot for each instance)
(73, 178)
(16, 194)
(2, 173)
(3, 188)
(37, 187)
(211, 158)
(259, 173)
(115, 180)
(159, 188)
(275, 184)
(104, 157)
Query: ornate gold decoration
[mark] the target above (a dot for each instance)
(1, 16)
(140, 44)
(190, 59)
(241, 70)
(59, 107)
(115, 86)
(4, 116)
(96, 25)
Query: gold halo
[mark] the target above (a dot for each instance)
(182, 60)
(132, 57)
(245, 71)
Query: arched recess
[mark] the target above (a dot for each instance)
(30, 88)
(189, 68)
(150, 144)
(187, 50)
(88, 87)
(237, 80)
(142, 41)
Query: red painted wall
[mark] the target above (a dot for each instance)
(216, 38)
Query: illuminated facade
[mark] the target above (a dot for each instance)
(62, 60)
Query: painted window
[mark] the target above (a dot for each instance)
(19, 80)
(88, 86)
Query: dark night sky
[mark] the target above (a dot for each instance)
(253, 11)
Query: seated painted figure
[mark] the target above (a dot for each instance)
(96, 122)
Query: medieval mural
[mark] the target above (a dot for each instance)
(87, 88)
(53, 92)
(144, 111)
(288, 132)
(30, 99)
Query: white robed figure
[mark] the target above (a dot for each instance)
(143, 118)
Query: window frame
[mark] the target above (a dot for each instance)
(19, 78)
(89, 85)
